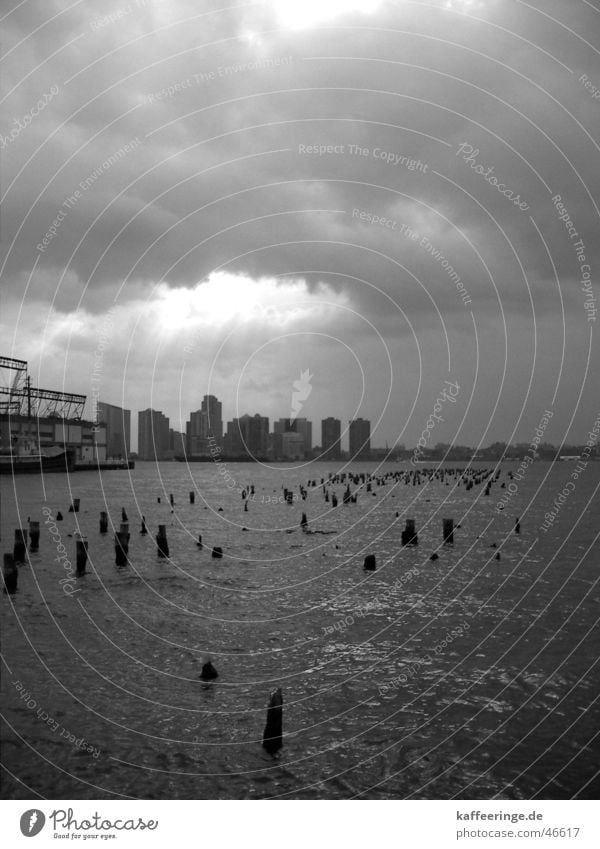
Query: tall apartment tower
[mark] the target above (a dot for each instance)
(205, 427)
(360, 439)
(331, 438)
(118, 429)
(247, 436)
(153, 435)
(301, 427)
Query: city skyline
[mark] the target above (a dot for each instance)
(251, 435)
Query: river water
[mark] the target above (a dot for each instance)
(462, 677)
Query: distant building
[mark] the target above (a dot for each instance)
(118, 429)
(331, 439)
(24, 435)
(247, 437)
(292, 448)
(153, 435)
(360, 439)
(205, 427)
(177, 443)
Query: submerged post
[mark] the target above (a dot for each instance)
(121, 548)
(409, 534)
(34, 536)
(162, 544)
(448, 531)
(20, 546)
(272, 735)
(370, 563)
(103, 522)
(81, 546)
(10, 574)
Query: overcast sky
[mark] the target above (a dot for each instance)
(365, 190)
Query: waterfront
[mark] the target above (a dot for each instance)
(466, 677)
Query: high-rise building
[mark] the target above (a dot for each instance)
(331, 438)
(153, 435)
(247, 436)
(118, 429)
(292, 446)
(177, 443)
(205, 427)
(360, 439)
(301, 427)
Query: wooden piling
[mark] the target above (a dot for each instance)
(209, 673)
(192, 497)
(74, 508)
(273, 733)
(217, 552)
(34, 536)
(518, 526)
(103, 522)
(409, 534)
(162, 544)
(81, 546)
(10, 574)
(370, 563)
(143, 529)
(20, 545)
(448, 531)
(121, 548)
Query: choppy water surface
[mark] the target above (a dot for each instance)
(466, 676)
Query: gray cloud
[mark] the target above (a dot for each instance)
(185, 134)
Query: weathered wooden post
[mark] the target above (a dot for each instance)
(143, 529)
(448, 531)
(121, 548)
(34, 536)
(304, 522)
(409, 534)
(217, 552)
(518, 526)
(10, 574)
(209, 673)
(272, 736)
(81, 546)
(192, 497)
(20, 545)
(162, 544)
(103, 522)
(74, 508)
(199, 543)
(370, 564)
(124, 517)
(334, 501)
